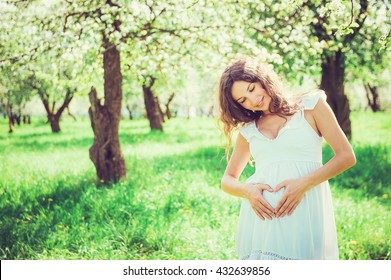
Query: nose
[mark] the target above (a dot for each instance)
(253, 98)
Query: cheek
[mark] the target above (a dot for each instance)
(268, 99)
(245, 105)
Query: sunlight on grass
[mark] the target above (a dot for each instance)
(171, 205)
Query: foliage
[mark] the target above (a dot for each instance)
(40, 58)
(294, 35)
(168, 39)
(171, 206)
(15, 88)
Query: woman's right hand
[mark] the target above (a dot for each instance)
(259, 204)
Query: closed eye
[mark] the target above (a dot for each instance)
(242, 100)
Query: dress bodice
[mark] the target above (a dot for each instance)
(296, 140)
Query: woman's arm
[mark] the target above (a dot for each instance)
(253, 192)
(325, 122)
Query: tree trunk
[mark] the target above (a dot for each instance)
(130, 112)
(168, 111)
(159, 108)
(10, 118)
(10, 124)
(17, 118)
(106, 152)
(54, 120)
(152, 107)
(372, 97)
(333, 74)
(54, 117)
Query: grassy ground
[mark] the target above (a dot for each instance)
(171, 205)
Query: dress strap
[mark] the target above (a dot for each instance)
(310, 99)
(247, 130)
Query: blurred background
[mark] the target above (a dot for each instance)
(109, 145)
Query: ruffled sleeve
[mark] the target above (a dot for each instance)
(310, 99)
(247, 131)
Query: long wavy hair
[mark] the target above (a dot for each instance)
(231, 113)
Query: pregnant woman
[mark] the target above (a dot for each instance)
(287, 210)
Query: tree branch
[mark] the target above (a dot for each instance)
(360, 19)
(53, 106)
(319, 31)
(111, 4)
(68, 98)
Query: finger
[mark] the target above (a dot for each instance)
(285, 203)
(279, 186)
(281, 202)
(265, 187)
(257, 211)
(265, 212)
(284, 209)
(267, 206)
(293, 208)
(259, 214)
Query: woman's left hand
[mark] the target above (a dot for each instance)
(294, 193)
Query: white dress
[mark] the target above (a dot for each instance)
(309, 233)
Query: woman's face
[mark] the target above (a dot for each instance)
(251, 96)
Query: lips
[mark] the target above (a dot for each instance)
(260, 104)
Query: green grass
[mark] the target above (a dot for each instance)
(171, 205)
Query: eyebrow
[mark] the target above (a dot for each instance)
(237, 100)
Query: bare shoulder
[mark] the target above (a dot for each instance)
(325, 120)
(320, 115)
(322, 111)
